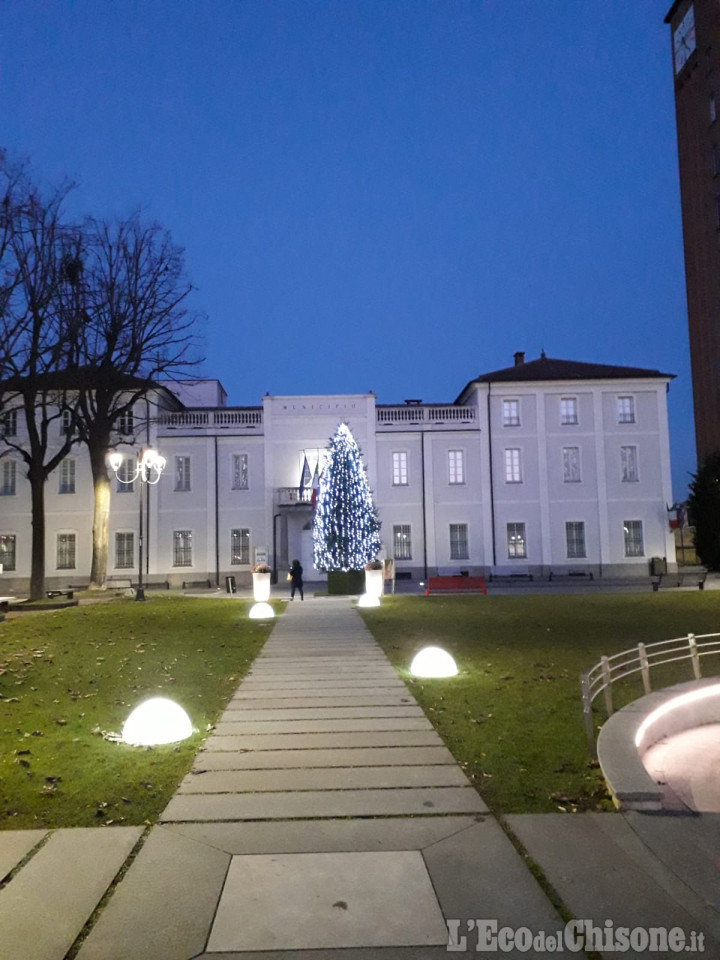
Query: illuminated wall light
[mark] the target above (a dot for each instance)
(261, 611)
(680, 701)
(156, 721)
(433, 662)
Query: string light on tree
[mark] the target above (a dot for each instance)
(346, 530)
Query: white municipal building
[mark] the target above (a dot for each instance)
(544, 466)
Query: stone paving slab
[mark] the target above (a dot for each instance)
(323, 803)
(315, 900)
(241, 727)
(46, 904)
(353, 953)
(316, 836)
(309, 741)
(233, 715)
(164, 906)
(312, 701)
(293, 759)
(688, 846)
(334, 778)
(15, 845)
(477, 873)
(614, 883)
(322, 686)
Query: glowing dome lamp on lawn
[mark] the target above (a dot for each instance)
(369, 600)
(156, 721)
(261, 611)
(433, 662)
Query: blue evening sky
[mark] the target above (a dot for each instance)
(392, 195)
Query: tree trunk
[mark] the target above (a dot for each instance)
(37, 565)
(101, 488)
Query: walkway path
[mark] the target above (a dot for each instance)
(325, 819)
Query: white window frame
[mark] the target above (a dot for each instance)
(459, 541)
(243, 551)
(183, 474)
(400, 531)
(66, 419)
(511, 412)
(516, 540)
(8, 540)
(125, 471)
(8, 477)
(456, 467)
(400, 468)
(9, 423)
(66, 539)
(240, 466)
(569, 415)
(575, 546)
(571, 467)
(177, 546)
(66, 476)
(626, 409)
(629, 471)
(123, 553)
(513, 465)
(634, 544)
(126, 422)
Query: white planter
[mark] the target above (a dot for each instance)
(261, 587)
(374, 583)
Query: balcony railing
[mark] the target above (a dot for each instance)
(412, 414)
(205, 419)
(288, 496)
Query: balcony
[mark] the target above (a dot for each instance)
(293, 496)
(426, 417)
(239, 421)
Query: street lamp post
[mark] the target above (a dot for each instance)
(149, 469)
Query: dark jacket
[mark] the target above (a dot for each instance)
(296, 572)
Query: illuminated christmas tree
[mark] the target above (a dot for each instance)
(346, 530)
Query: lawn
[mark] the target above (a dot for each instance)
(69, 677)
(513, 715)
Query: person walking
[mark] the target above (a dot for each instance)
(296, 579)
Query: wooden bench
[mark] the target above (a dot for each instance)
(119, 583)
(52, 594)
(510, 577)
(455, 584)
(571, 574)
(683, 578)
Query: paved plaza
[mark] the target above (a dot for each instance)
(324, 818)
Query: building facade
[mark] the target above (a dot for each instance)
(695, 31)
(545, 466)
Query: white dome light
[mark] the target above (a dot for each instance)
(156, 721)
(261, 611)
(433, 662)
(369, 600)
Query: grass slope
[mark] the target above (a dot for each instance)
(67, 677)
(513, 716)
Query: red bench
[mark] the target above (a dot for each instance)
(455, 584)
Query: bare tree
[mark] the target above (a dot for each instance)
(35, 343)
(131, 292)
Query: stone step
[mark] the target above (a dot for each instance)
(234, 715)
(326, 803)
(242, 727)
(312, 701)
(297, 759)
(310, 741)
(333, 778)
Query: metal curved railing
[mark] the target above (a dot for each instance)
(640, 659)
